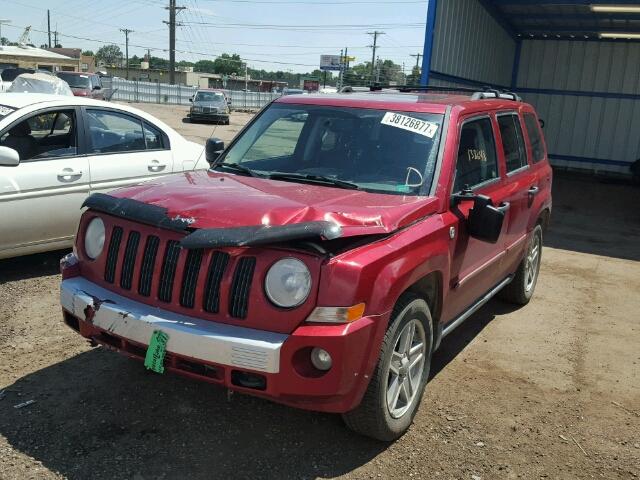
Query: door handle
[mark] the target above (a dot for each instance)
(156, 166)
(68, 173)
(504, 207)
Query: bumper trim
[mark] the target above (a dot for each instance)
(188, 336)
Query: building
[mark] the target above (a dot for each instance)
(577, 63)
(86, 63)
(197, 79)
(32, 57)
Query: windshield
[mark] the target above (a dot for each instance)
(374, 150)
(75, 81)
(209, 97)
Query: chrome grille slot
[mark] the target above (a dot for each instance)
(241, 286)
(190, 278)
(217, 267)
(129, 260)
(148, 264)
(112, 255)
(168, 273)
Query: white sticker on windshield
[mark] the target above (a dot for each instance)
(415, 125)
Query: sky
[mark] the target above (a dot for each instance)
(287, 35)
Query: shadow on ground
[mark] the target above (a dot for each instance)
(128, 423)
(595, 216)
(31, 266)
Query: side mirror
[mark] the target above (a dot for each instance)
(97, 87)
(485, 221)
(213, 149)
(9, 157)
(191, 99)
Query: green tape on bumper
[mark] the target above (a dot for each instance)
(154, 359)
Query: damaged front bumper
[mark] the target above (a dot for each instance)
(267, 364)
(189, 337)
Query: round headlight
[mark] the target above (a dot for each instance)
(94, 238)
(288, 283)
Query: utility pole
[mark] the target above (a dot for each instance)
(126, 32)
(418, 56)
(172, 39)
(49, 26)
(55, 38)
(340, 74)
(378, 70)
(374, 46)
(246, 77)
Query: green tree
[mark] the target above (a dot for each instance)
(109, 54)
(227, 64)
(88, 53)
(206, 66)
(414, 77)
(158, 63)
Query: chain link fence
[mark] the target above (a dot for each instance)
(152, 92)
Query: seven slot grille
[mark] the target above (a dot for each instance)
(137, 256)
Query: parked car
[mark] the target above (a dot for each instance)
(210, 105)
(39, 83)
(294, 91)
(55, 151)
(8, 75)
(84, 84)
(326, 253)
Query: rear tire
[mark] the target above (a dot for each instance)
(521, 288)
(398, 382)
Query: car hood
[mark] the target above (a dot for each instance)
(212, 200)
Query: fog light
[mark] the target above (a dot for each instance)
(320, 359)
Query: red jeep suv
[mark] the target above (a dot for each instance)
(326, 253)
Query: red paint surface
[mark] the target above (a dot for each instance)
(377, 273)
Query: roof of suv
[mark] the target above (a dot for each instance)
(410, 101)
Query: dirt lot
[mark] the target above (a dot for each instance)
(548, 391)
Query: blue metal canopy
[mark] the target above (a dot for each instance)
(564, 19)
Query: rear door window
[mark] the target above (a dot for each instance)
(477, 162)
(533, 129)
(114, 132)
(515, 153)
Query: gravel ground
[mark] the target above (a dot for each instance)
(551, 390)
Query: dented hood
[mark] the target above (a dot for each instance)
(212, 200)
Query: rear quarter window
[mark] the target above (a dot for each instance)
(535, 137)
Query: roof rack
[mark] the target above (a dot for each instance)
(483, 93)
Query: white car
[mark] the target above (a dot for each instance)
(55, 151)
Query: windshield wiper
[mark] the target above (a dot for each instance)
(236, 167)
(318, 179)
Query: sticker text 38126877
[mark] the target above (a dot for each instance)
(415, 125)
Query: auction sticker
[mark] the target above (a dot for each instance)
(415, 125)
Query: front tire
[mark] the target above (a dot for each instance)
(521, 288)
(398, 382)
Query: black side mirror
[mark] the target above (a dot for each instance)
(485, 221)
(97, 87)
(191, 99)
(213, 149)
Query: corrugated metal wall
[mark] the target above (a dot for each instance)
(585, 126)
(469, 43)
